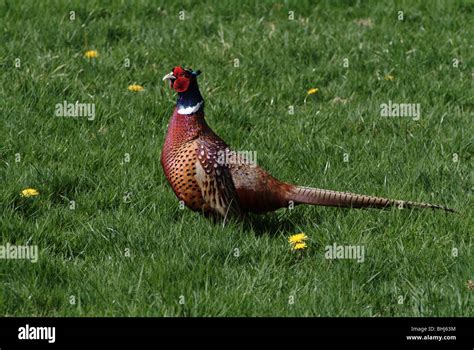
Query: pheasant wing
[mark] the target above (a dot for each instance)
(214, 177)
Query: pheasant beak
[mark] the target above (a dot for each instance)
(169, 76)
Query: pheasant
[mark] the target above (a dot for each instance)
(192, 163)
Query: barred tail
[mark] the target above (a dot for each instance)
(316, 196)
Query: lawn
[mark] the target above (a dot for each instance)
(112, 239)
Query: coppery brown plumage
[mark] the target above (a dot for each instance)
(198, 176)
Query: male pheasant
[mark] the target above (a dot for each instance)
(192, 162)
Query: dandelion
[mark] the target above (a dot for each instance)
(299, 246)
(389, 77)
(298, 238)
(29, 192)
(91, 54)
(311, 91)
(135, 88)
(297, 241)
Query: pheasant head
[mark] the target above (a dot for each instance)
(184, 82)
(182, 79)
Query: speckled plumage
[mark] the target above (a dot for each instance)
(179, 157)
(189, 161)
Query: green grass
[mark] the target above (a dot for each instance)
(175, 252)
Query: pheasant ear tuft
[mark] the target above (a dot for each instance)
(178, 71)
(196, 73)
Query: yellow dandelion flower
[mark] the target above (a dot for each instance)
(311, 91)
(299, 246)
(135, 88)
(389, 77)
(298, 238)
(91, 54)
(29, 192)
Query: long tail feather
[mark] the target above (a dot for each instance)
(316, 196)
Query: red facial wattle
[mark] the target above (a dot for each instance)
(181, 84)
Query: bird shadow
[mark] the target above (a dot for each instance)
(274, 223)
